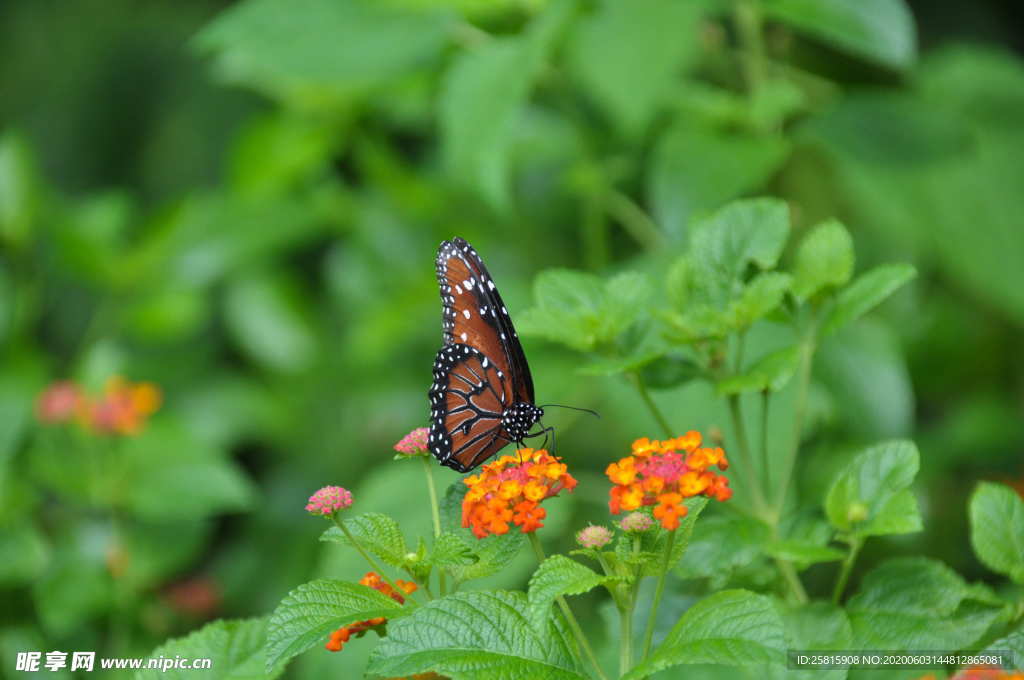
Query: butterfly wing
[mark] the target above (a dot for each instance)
(467, 399)
(475, 314)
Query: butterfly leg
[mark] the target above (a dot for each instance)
(545, 432)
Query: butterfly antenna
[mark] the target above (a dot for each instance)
(574, 408)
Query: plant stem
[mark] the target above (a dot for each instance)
(634, 220)
(807, 348)
(844, 573)
(574, 625)
(760, 506)
(428, 469)
(651, 406)
(658, 590)
(766, 467)
(626, 616)
(373, 563)
(747, 17)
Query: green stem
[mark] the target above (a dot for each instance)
(844, 572)
(651, 406)
(428, 469)
(626, 611)
(373, 563)
(574, 625)
(807, 348)
(634, 220)
(658, 590)
(743, 446)
(748, 20)
(766, 467)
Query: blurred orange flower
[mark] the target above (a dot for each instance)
(511, 489)
(664, 473)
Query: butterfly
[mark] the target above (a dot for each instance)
(482, 395)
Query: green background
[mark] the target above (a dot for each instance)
(242, 202)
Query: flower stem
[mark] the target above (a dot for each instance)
(844, 573)
(436, 514)
(760, 506)
(651, 406)
(373, 563)
(807, 348)
(658, 590)
(574, 625)
(626, 611)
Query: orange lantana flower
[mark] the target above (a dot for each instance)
(663, 474)
(511, 489)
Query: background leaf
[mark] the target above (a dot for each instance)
(235, 650)
(997, 529)
(871, 497)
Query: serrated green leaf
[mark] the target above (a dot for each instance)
(482, 97)
(308, 614)
(916, 603)
(733, 628)
(346, 47)
(697, 168)
(482, 635)
(752, 231)
(557, 575)
(997, 529)
(235, 650)
(580, 310)
(721, 544)
(820, 626)
(771, 372)
(870, 497)
(759, 297)
(627, 57)
(824, 258)
(1013, 643)
(881, 31)
(659, 538)
(867, 291)
(376, 533)
(450, 550)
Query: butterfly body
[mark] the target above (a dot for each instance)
(481, 398)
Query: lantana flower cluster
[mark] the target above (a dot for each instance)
(122, 408)
(664, 473)
(359, 628)
(510, 491)
(414, 443)
(329, 500)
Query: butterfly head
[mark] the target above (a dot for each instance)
(519, 418)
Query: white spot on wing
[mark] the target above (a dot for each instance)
(465, 313)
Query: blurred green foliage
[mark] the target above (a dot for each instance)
(241, 203)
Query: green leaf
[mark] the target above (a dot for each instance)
(482, 98)
(450, 550)
(803, 553)
(558, 575)
(881, 31)
(868, 291)
(997, 529)
(917, 603)
(1013, 643)
(771, 372)
(871, 496)
(744, 232)
(759, 297)
(23, 554)
(721, 544)
(311, 612)
(697, 168)
(346, 46)
(818, 626)
(733, 628)
(655, 541)
(825, 258)
(235, 649)
(580, 311)
(375, 532)
(474, 636)
(267, 319)
(629, 56)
